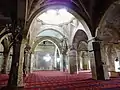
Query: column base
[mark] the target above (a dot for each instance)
(85, 67)
(106, 74)
(73, 69)
(114, 74)
(12, 88)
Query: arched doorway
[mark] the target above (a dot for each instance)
(46, 56)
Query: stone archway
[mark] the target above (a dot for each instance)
(45, 4)
(79, 36)
(43, 28)
(5, 39)
(110, 25)
(108, 35)
(4, 35)
(56, 42)
(83, 56)
(40, 39)
(83, 19)
(74, 11)
(51, 27)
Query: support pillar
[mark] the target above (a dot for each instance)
(104, 60)
(92, 59)
(18, 17)
(78, 58)
(55, 58)
(61, 62)
(98, 67)
(72, 61)
(64, 61)
(112, 56)
(27, 58)
(16, 72)
(6, 55)
(85, 60)
(81, 63)
(98, 61)
(30, 62)
(4, 65)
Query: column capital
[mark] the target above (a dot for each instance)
(72, 47)
(27, 48)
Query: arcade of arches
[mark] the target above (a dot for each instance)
(68, 36)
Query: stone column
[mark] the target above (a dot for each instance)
(64, 61)
(32, 62)
(104, 60)
(61, 62)
(25, 63)
(92, 59)
(112, 55)
(4, 65)
(30, 55)
(111, 61)
(16, 72)
(18, 18)
(81, 63)
(9, 62)
(28, 61)
(7, 47)
(98, 67)
(1, 60)
(55, 58)
(20, 65)
(78, 58)
(63, 54)
(85, 60)
(98, 61)
(27, 58)
(72, 55)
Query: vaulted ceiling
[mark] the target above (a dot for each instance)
(95, 9)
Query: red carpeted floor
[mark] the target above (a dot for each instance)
(56, 80)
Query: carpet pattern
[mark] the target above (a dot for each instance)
(56, 80)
